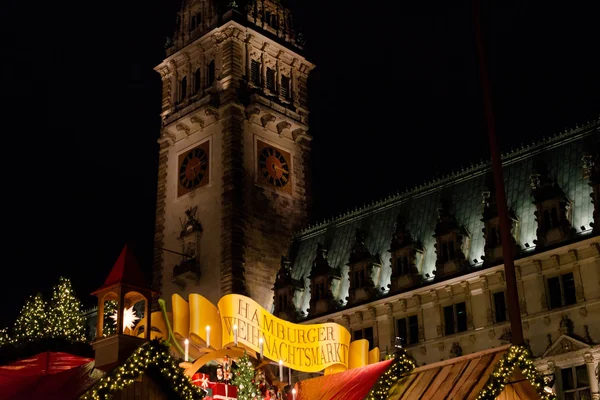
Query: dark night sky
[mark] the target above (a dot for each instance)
(395, 99)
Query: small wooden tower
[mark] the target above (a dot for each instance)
(126, 286)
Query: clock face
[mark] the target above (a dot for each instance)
(274, 168)
(193, 169)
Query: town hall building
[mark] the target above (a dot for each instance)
(421, 269)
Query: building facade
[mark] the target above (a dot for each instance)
(423, 269)
(233, 175)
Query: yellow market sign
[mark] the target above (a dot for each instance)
(308, 348)
(236, 318)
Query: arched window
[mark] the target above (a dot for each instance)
(492, 237)
(197, 81)
(546, 219)
(210, 73)
(554, 215)
(183, 89)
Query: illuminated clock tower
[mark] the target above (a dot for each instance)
(234, 167)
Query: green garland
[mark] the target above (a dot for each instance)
(402, 364)
(515, 356)
(152, 354)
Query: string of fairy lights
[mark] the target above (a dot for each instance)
(515, 356)
(402, 364)
(155, 354)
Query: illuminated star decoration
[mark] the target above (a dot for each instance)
(129, 318)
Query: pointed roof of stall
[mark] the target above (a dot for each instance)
(125, 271)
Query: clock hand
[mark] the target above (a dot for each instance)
(275, 167)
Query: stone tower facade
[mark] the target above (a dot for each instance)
(233, 175)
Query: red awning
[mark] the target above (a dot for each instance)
(48, 376)
(353, 384)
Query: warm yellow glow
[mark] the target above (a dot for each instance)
(129, 317)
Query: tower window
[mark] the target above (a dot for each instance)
(455, 318)
(562, 290)
(197, 81)
(285, 87)
(255, 72)
(196, 21)
(183, 89)
(271, 79)
(210, 73)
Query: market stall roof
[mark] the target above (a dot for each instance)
(49, 375)
(460, 378)
(353, 384)
(125, 271)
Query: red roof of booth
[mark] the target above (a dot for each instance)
(353, 384)
(126, 271)
(48, 376)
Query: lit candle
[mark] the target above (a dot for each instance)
(235, 335)
(260, 347)
(290, 376)
(280, 370)
(187, 350)
(294, 394)
(207, 335)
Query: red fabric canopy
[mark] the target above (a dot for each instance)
(353, 384)
(48, 376)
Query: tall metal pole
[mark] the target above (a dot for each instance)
(514, 311)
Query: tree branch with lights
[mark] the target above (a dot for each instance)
(516, 356)
(154, 354)
(401, 365)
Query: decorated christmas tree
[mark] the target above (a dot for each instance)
(64, 313)
(243, 378)
(31, 323)
(4, 337)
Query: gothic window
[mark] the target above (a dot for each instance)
(494, 238)
(210, 73)
(197, 80)
(554, 217)
(562, 290)
(285, 87)
(455, 318)
(575, 383)
(359, 278)
(499, 307)
(271, 79)
(255, 72)
(319, 291)
(274, 21)
(407, 329)
(282, 302)
(402, 265)
(447, 251)
(183, 89)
